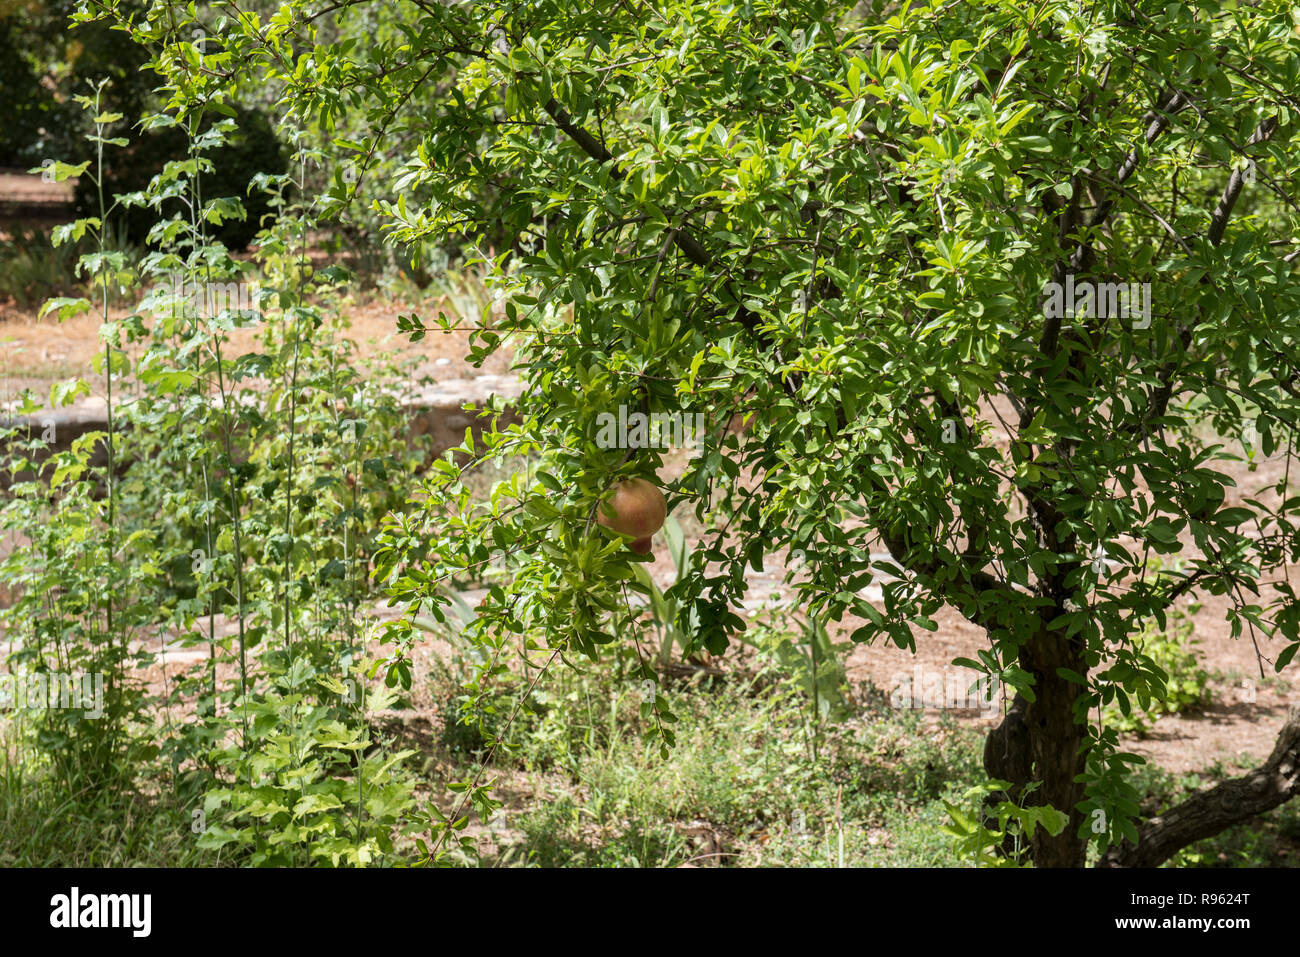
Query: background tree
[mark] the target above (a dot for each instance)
(841, 226)
(45, 62)
(29, 102)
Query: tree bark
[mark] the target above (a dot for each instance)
(1040, 741)
(1055, 743)
(1203, 815)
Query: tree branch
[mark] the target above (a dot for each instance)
(1219, 220)
(1206, 814)
(1161, 396)
(594, 148)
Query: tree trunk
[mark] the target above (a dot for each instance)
(1055, 743)
(1040, 741)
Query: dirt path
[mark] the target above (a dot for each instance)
(34, 354)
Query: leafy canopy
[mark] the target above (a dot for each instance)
(838, 228)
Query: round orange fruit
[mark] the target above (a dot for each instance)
(637, 508)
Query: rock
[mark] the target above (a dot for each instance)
(437, 410)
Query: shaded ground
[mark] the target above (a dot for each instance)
(20, 189)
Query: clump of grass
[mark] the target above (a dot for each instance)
(49, 821)
(32, 269)
(742, 787)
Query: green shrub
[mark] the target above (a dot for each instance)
(251, 148)
(1172, 656)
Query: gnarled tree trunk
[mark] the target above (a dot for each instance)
(1040, 741)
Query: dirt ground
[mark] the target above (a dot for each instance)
(34, 354)
(1236, 728)
(20, 188)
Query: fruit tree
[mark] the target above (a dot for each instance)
(985, 282)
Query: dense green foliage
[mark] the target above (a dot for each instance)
(850, 231)
(240, 488)
(844, 232)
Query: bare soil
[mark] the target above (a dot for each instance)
(36, 353)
